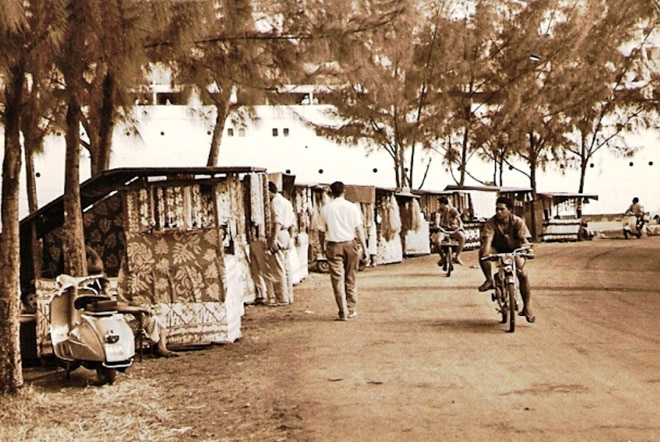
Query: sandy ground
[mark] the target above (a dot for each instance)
(425, 360)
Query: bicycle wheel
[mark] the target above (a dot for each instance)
(502, 304)
(511, 292)
(450, 261)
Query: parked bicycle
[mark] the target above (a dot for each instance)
(505, 293)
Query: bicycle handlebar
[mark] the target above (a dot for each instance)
(525, 252)
(445, 231)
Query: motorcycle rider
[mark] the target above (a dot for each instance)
(637, 210)
(503, 233)
(449, 219)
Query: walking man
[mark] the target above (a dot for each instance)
(344, 245)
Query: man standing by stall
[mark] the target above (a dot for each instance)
(344, 244)
(279, 245)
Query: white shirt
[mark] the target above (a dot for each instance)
(339, 219)
(283, 211)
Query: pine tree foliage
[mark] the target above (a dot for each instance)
(239, 52)
(609, 81)
(380, 93)
(502, 81)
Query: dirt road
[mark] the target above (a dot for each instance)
(428, 360)
(425, 360)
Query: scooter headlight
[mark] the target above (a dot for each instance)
(111, 337)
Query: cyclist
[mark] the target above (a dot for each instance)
(449, 219)
(503, 233)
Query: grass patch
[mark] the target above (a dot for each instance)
(131, 409)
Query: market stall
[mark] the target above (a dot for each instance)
(388, 227)
(554, 215)
(414, 227)
(172, 238)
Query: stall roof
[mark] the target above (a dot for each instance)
(107, 182)
(560, 197)
(457, 188)
(423, 192)
(407, 194)
(557, 197)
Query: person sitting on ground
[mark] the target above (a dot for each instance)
(448, 218)
(584, 232)
(504, 233)
(153, 329)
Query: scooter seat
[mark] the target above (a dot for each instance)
(88, 302)
(102, 306)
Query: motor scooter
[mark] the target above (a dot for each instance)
(634, 224)
(87, 330)
(447, 247)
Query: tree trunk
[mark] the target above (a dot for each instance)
(106, 126)
(411, 168)
(11, 375)
(495, 164)
(222, 109)
(464, 149)
(73, 241)
(399, 166)
(583, 175)
(32, 143)
(532, 181)
(33, 137)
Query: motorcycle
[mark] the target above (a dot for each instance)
(447, 249)
(86, 329)
(634, 224)
(505, 293)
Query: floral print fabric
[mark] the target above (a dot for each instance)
(173, 266)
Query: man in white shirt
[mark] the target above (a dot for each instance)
(279, 244)
(344, 245)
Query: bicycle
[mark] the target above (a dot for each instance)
(447, 250)
(506, 283)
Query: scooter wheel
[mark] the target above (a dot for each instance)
(106, 375)
(323, 266)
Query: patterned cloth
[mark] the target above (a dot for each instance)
(173, 266)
